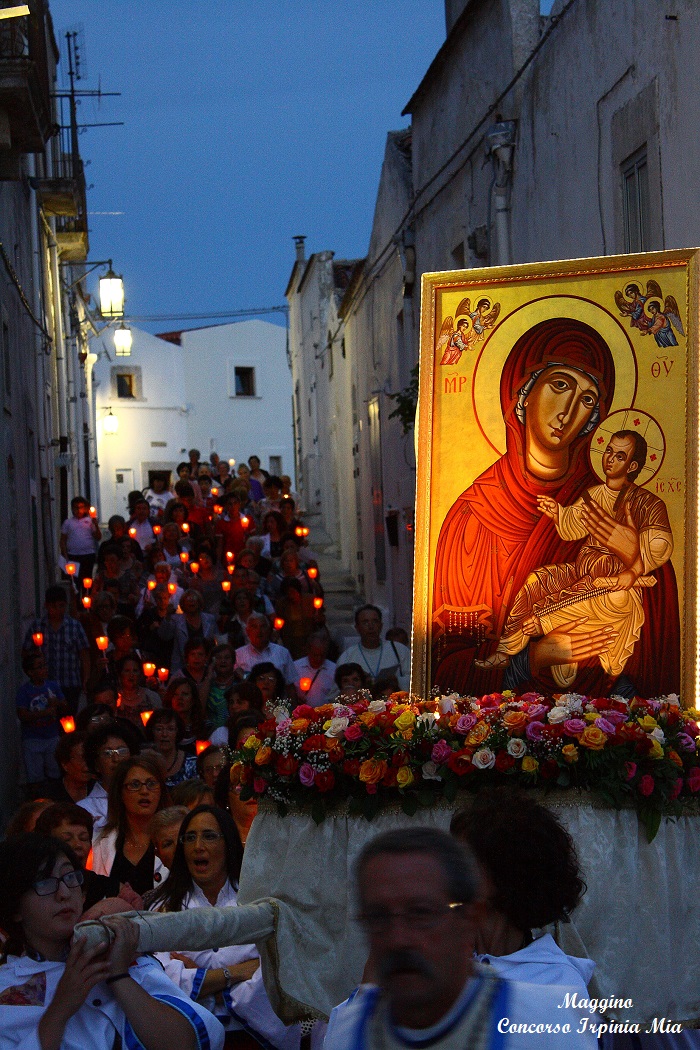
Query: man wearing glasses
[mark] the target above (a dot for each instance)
(418, 903)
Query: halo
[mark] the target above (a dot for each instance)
(489, 366)
(640, 423)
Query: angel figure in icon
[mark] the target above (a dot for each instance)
(472, 325)
(645, 312)
(600, 589)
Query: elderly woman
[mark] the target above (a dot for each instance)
(57, 994)
(165, 731)
(204, 874)
(76, 780)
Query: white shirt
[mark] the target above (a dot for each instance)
(387, 658)
(144, 533)
(248, 656)
(247, 999)
(96, 804)
(322, 678)
(79, 536)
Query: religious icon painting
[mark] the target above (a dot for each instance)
(557, 499)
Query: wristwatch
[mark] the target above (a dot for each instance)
(227, 974)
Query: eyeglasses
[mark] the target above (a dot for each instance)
(71, 879)
(419, 917)
(207, 836)
(136, 785)
(115, 752)
(266, 678)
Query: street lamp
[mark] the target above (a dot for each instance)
(122, 341)
(15, 12)
(110, 423)
(111, 294)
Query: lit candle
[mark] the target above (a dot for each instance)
(298, 531)
(68, 724)
(194, 567)
(87, 601)
(184, 557)
(230, 555)
(318, 603)
(93, 512)
(279, 623)
(132, 532)
(218, 508)
(232, 463)
(149, 669)
(102, 642)
(231, 569)
(145, 715)
(151, 585)
(172, 587)
(87, 583)
(312, 572)
(245, 522)
(305, 531)
(201, 745)
(185, 527)
(214, 490)
(163, 674)
(305, 684)
(38, 638)
(71, 568)
(157, 530)
(226, 586)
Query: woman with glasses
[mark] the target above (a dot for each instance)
(270, 681)
(210, 763)
(123, 849)
(54, 994)
(104, 749)
(205, 872)
(165, 732)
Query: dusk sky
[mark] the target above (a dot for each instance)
(244, 124)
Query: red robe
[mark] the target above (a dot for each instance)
(494, 536)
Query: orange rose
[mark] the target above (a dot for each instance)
(299, 725)
(515, 722)
(398, 697)
(570, 753)
(368, 718)
(675, 757)
(263, 755)
(478, 734)
(372, 770)
(593, 738)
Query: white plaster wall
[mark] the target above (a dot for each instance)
(237, 427)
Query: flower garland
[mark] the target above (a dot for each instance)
(367, 753)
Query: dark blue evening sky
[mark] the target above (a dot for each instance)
(245, 123)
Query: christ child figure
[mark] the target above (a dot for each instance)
(601, 588)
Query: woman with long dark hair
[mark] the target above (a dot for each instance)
(54, 994)
(205, 872)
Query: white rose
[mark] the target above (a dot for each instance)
(447, 703)
(427, 719)
(430, 771)
(658, 734)
(557, 714)
(516, 747)
(377, 706)
(337, 726)
(484, 758)
(280, 714)
(673, 699)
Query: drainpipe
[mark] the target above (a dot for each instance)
(61, 381)
(500, 145)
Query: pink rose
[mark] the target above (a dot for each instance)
(259, 785)
(353, 732)
(685, 742)
(694, 779)
(646, 785)
(574, 726)
(306, 775)
(534, 731)
(530, 698)
(616, 717)
(441, 752)
(465, 723)
(605, 726)
(630, 770)
(536, 711)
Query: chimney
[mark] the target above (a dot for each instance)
(299, 247)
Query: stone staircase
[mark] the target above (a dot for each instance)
(341, 597)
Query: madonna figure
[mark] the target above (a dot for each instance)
(556, 387)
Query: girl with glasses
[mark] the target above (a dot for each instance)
(54, 994)
(205, 872)
(124, 849)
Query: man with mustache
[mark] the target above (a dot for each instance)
(419, 900)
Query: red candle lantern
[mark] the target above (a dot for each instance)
(93, 512)
(172, 587)
(132, 532)
(184, 557)
(230, 555)
(312, 572)
(87, 583)
(185, 527)
(68, 724)
(298, 531)
(318, 603)
(157, 529)
(87, 601)
(194, 567)
(201, 745)
(149, 669)
(102, 642)
(145, 715)
(279, 623)
(71, 568)
(226, 586)
(231, 569)
(245, 522)
(163, 674)
(38, 638)
(305, 530)
(305, 684)
(151, 585)
(218, 508)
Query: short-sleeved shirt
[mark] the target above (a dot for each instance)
(37, 698)
(62, 650)
(79, 536)
(248, 657)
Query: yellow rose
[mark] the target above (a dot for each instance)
(235, 773)
(372, 770)
(570, 752)
(404, 776)
(263, 755)
(530, 764)
(647, 723)
(367, 718)
(405, 721)
(252, 743)
(478, 734)
(591, 716)
(508, 694)
(657, 750)
(593, 738)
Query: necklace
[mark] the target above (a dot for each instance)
(379, 661)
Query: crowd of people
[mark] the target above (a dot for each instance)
(163, 648)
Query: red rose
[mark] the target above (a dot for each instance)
(646, 785)
(304, 711)
(336, 753)
(267, 727)
(351, 766)
(460, 762)
(491, 702)
(504, 762)
(313, 743)
(286, 766)
(389, 778)
(601, 705)
(325, 781)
